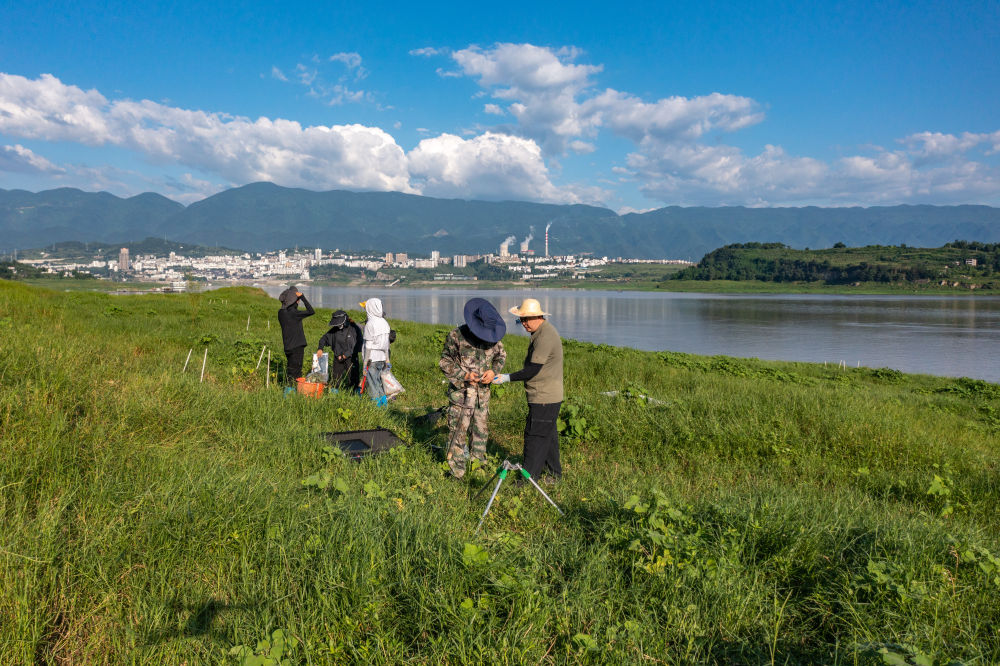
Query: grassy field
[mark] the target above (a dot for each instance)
(717, 510)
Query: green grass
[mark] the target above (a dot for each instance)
(749, 512)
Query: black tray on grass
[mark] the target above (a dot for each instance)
(357, 444)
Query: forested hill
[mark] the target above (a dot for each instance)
(959, 263)
(263, 216)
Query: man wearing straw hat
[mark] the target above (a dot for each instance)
(473, 355)
(543, 383)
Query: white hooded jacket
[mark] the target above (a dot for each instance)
(376, 332)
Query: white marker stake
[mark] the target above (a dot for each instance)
(186, 361)
(203, 360)
(248, 322)
(260, 358)
(268, 383)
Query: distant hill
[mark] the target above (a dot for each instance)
(263, 216)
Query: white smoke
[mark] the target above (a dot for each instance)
(506, 244)
(527, 241)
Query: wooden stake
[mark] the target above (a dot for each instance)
(203, 360)
(248, 322)
(260, 358)
(186, 360)
(268, 383)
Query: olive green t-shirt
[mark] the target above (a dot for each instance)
(546, 349)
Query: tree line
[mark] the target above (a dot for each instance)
(739, 262)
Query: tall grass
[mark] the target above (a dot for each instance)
(717, 510)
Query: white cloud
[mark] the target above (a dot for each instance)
(679, 158)
(330, 88)
(494, 109)
(696, 174)
(427, 52)
(238, 149)
(18, 159)
(353, 63)
(494, 166)
(551, 98)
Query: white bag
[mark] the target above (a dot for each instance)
(321, 366)
(390, 384)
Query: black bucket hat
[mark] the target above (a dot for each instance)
(288, 297)
(484, 321)
(338, 319)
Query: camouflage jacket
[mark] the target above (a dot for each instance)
(461, 356)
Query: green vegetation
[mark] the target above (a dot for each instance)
(963, 264)
(717, 510)
(79, 251)
(15, 270)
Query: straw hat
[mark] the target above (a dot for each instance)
(529, 308)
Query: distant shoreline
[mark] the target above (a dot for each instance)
(671, 286)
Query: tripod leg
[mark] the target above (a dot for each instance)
(539, 489)
(503, 475)
(486, 485)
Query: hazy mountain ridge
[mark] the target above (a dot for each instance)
(263, 216)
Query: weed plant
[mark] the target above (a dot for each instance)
(718, 510)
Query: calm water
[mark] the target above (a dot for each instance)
(926, 334)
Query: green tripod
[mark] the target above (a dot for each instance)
(505, 468)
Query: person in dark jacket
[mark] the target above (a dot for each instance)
(344, 337)
(294, 338)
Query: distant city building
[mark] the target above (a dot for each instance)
(458, 260)
(388, 257)
(968, 262)
(435, 257)
(402, 257)
(123, 259)
(318, 255)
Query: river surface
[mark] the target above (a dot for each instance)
(937, 335)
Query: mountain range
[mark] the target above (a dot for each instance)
(263, 216)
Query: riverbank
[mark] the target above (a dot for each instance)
(669, 286)
(717, 510)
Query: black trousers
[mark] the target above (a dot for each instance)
(345, 374)
(293, 369)
(541, 440)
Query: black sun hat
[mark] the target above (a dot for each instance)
(484, 321)
(338, 318)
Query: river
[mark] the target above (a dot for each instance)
(937, 335)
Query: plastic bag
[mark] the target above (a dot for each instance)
(321, 367)
(390, 384)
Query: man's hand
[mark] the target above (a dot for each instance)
(471, 376)
(298, 294)
(487, 377)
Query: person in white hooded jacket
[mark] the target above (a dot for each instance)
(376, 348)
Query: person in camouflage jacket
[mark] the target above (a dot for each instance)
(473, 355)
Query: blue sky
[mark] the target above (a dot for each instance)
(629, 105)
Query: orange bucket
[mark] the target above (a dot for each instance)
(311, 389)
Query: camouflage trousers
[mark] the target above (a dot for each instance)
(467, 415)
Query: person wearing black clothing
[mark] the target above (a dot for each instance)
(294, 338)
(344, 337)
(543, 385)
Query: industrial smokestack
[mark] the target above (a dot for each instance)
(527, 241)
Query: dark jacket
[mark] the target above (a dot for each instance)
(290, 319)
(343, 341)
